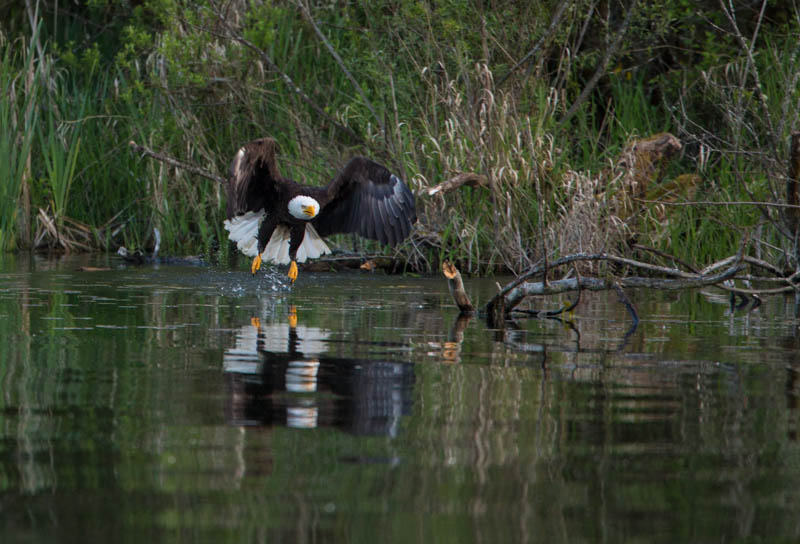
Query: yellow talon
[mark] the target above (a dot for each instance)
(292, 316)
(256, 264)
(293, 271)
(255, 322)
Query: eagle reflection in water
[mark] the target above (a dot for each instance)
(276, 375)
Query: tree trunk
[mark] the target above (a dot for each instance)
(793, 195)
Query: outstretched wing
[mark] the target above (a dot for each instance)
(253, 173)
(367, 199)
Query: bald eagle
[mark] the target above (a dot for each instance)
(277, 220)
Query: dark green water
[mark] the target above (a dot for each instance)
(148, 404)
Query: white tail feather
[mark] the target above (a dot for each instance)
(277, 250)
(313, 245)
(243, 230)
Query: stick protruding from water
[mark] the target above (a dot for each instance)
(456, 285)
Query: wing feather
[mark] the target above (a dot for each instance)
(394, 212)
(355, 219)
(367, 199)
(252, 178)
(380, 222)
(386, 221)
(354, 224)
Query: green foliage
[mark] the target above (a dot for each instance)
(19, 100)
(417, 85)
(59, 148)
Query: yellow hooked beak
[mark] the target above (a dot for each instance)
(309, 211)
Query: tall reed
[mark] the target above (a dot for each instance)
(20, 76)
(60, 144)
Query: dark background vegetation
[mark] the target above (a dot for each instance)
(544, 99)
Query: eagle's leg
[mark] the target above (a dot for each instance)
(297, 234)
(265, 231)
(256, 264)
(293, 271)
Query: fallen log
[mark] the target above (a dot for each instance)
(526, 289)
(514, 293)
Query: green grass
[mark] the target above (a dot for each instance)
(59, 146)
(20, 76)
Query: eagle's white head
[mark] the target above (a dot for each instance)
(303, 207)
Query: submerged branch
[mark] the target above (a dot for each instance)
(721, 274)
(668, 278)
(584, 257)
(600, 284)
(553, 313)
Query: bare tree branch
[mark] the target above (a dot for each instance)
(175, 162)
(722, 203)
(307, 14)
(562, 7)
(748, 49)
(465, 178)
(290, 84)
(601, 68)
